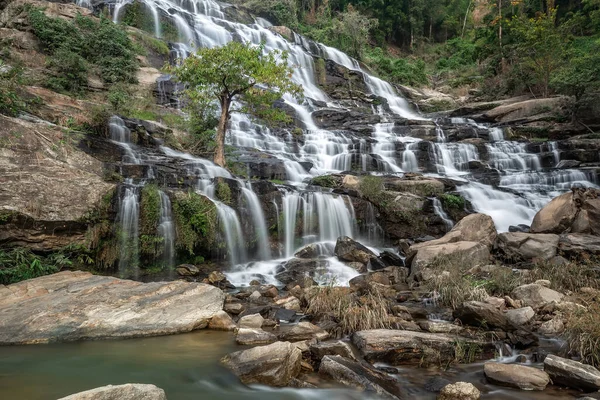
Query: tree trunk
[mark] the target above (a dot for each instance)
(465, 20)
(221, 131)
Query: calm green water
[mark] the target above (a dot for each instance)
(187, 367)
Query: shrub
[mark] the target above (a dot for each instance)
(223, 192)
(452, 201)
(583, 333)
(371, 187)
(10, 101)
(326, 181)
(20, 264)
(196, 222)
(73, 44)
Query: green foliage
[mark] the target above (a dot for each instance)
(10, 100)
(151, 43)
(119, 97)
(149, 209)
(452, 201)
(223, 192)
(237, 71)
(539, 48)
(582, 73)
(69, 72)
(371, 187)
(20, 264)
(84, 44)
(280, 12)
(196, 222)
(138, 15)
(326, 181)
(397, 70)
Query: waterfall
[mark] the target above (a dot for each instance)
(166, 229)
(121, 135)
(439, 211)
(258, 219)
(230, 223)
(129, 220)
(325, 217)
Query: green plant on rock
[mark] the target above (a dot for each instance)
(80, 45)
(151, 244)
(196, 222)
(326, 181)
(452, 201)
(223, 192)
(20, 264)
(11, 102)
(371, 187)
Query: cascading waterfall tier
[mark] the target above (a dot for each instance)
(526, 182)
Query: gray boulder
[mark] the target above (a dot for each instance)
(519, 246)
(459, 391)
(274, 365)
(536, 296)
(478, 313)
(571, 373)
(129, 391)
(517, 376)
(78, 306)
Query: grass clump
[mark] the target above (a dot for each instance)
(450, 285)
(352, 312)
(371, 187)
(582, 331)
(196, 222)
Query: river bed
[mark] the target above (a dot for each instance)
(187, 367)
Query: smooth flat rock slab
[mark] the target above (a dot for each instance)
(75, 305)
(129, 391)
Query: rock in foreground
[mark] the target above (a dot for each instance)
(273, 365)
(571, 373)
(71, 306)
(129, 391)
(359, 376)
(517, 376)
(459, 391)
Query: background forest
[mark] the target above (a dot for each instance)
(496, 48)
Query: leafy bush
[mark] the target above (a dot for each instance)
(10, 101)
(20, 264)
(74, 44)
(450, 201)
(326, 181)
(196, 222)
(397, 70)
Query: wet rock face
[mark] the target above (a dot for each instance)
(80, 306)
(274, 365)
(44, 204)
(129, 391)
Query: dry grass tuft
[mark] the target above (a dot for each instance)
(353, 313)
(582, 331)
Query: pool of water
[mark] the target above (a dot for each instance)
(187, 367)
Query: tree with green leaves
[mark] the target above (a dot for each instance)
(240, 73)
(540, 47)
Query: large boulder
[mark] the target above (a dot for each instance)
(478, 228)
(519, 246)
(347, 249)
(536, 296)
(576, 212)
(399, 347)
(520, 316)
(528, 109)
(574, 244)
(359, 376)
(465, 254)
(459, 391)
(253, 337)
(78, 305)
(517, 376)
(274, 365)
(571, 373)
(478, 313)
(129, 391)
